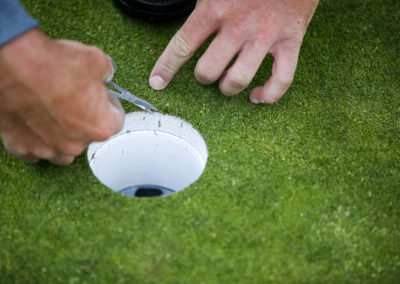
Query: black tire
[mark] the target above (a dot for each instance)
(157, 10)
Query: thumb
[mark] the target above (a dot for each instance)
(117, 112)
(109, 119)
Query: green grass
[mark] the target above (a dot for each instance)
(303, 191)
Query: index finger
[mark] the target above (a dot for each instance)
(100, 64)
(197, 28)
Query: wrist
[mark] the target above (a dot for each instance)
(21, 56)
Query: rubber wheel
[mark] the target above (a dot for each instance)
(157, 10)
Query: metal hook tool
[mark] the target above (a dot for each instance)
(125, 95)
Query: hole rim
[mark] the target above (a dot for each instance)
(160, 124)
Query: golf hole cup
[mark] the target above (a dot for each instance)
(153, 155)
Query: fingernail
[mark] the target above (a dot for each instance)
(262, 101)
(157, 83)
(108, 77)
(254, 101)
(116, 106)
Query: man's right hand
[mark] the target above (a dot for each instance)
(53, 102)
(249, 29)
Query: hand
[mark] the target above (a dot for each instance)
(52, 98)
(251, 29)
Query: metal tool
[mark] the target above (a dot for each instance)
(125, 95)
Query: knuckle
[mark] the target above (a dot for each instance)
(103, 134)
(31, 160)
(165, 68)
(285, 79)
(205, 74)
(95, 51)
(228, 91)
(270, 100)
(95, 56)
(239, 80)
(17, 150)
(181, 46)
(62, 160)
(67, 160)
(239, 30)
(217, 9)
(7, 142)
(73, 148)
(15, 146)
(43, 153)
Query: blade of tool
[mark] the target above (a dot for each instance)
(125, 95)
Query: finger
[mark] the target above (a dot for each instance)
(40, 148)
(38, 152)
(44, 139)
(62, 160)
(117, 114)
(213, 62)
(30, 159)
(102, 117)
(99, 64)
(243, 70)
(114, 101)
(17, 149)
(109, 119)
(283, 69)
(71, 147)
(26, 157)
(111, 72)
(181, 48)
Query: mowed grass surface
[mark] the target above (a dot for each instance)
(303, 191)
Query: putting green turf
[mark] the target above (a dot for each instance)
(305, 190)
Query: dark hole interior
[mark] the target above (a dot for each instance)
(148, 192)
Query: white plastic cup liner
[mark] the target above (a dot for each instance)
(154, 154)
